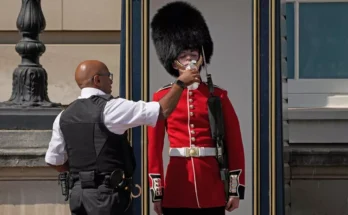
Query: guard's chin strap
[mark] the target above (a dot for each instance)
(182, 67)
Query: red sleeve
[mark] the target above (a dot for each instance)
(155, 137)
(235, 149)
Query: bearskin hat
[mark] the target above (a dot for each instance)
(178, 26)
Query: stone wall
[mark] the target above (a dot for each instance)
(76, 30)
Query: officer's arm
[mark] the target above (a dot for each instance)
(60, 168)
(235, 149)
(56, 154)
(121, 114)
(155, 161)
(169, 101)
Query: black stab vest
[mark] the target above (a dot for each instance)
(89, 144)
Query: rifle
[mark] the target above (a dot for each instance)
(216, 122)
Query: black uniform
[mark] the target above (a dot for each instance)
(93, 154)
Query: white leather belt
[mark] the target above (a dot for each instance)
(192, 152)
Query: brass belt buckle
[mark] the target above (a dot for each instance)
(192, 152)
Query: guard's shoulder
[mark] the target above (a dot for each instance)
(166, 87)
(216, 86)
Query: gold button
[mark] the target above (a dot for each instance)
(191, 113)
(193, 139)
(193, 132)
(190, 93)
(192, 125)
(190, 100)
(191, 106)
(192, 152)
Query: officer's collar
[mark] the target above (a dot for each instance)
(89, 91)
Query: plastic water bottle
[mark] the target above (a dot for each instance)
(191, 66)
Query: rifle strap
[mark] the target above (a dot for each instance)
(217, 131)
(215, 117)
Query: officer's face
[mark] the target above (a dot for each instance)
(104, 81)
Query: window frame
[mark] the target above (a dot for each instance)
(314, 93)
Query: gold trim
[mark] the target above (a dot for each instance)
(144, 81)
(182, 67)
(130, 38)
(127, 15)
(128, 58)
(270, 60)
(273, 107)
(256, 111)
(145, 84)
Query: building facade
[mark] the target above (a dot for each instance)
(317, 106)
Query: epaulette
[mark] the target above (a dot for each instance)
(216, 86)
(164, 87)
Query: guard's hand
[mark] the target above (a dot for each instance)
(189, 76)
(233, 203)
(157, 206)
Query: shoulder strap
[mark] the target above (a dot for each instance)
(216, 121)
(106, 97)
(165, 87)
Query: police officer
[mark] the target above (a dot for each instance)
(88, 139)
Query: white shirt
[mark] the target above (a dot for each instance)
(119, 115)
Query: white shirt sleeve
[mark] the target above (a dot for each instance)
(56, 153)
(121, 114)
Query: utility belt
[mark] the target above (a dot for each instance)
(90, 179)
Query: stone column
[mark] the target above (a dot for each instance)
(29, 84)
(26, 119)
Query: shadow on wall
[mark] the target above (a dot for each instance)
(303, 202)
(30, 193)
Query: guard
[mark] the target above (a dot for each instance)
(195, 177)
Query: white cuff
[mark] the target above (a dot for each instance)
(152, 112)
(55, 160)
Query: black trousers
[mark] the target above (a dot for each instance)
(194, 211)
(99, 201)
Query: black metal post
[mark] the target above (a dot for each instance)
(29, 84)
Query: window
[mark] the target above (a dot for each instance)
(317, 51)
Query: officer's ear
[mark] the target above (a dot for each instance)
(96, 80)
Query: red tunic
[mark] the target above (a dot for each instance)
(194, 182)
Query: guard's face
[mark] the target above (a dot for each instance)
(186, 56)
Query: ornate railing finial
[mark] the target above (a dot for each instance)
(29, 84)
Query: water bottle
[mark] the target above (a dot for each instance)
(191, 66)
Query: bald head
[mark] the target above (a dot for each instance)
(86, 70)
(93, 73)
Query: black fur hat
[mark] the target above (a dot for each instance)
(178, 26)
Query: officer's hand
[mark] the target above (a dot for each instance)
(189, 76)
(157, 206)
(233, 203)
